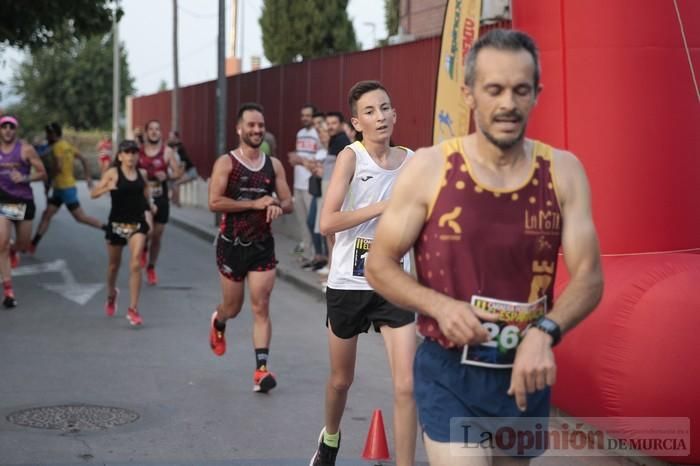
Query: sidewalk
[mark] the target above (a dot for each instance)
(200, 222)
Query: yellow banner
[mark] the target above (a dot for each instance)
(460, 30)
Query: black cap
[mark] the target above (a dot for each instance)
(128, 145)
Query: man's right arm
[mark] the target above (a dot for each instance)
(219, 202)
(397, 231)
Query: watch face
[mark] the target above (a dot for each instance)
(551, 328)
(547, 325)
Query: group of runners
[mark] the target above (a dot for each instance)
(485, 215)
(136, 177)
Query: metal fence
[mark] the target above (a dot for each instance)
(409, 72)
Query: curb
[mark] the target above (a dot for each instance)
(283, 272)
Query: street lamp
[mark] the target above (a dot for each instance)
(374, 33)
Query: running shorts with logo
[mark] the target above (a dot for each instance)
(236, 257)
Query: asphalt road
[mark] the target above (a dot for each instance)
(159, 394)
(192, 407)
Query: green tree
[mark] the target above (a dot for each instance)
(40, 22)
(305, 29)
(391, 16)
(70, 82)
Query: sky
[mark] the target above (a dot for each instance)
(146, 31)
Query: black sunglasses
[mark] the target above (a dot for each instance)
(8, 125)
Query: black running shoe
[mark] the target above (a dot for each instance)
(9, 301)
(324, 455)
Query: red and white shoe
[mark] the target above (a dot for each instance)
(151, 277)
(134, 318)
(111, 304)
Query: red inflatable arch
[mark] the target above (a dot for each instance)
(620, 92)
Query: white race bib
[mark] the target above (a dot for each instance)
(13, 211)
(506, 334)
(125, 230)
(360, 255)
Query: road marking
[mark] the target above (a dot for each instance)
(79, 293)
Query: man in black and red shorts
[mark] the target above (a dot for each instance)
(250, 189)
(161, 164)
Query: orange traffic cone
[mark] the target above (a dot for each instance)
(375, 446)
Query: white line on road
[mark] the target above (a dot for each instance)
(79, 293)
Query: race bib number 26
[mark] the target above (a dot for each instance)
(505, 334)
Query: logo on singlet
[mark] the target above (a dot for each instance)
(542, 222)
(366, 178)
(449, 220)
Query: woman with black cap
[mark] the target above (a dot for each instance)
(127, 223)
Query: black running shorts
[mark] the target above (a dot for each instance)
(163, 213)
(351, 312)
(119, 233)
(235, 258)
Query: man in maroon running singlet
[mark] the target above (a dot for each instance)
(161, 164)
(487, 214)
(243, 186)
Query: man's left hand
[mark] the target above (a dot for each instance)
(273, 212)
(534, 367)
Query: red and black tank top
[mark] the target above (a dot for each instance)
(248, 183)
(152, 165)
(501, 244)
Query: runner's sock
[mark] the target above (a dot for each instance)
(261, 355)
(36, 239)
(219, 326)
(7, 288)
(331, 440)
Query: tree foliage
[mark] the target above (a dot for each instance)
(40, 22)
(391, 16)
(305, 29)
(70, 82)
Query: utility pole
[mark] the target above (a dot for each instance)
(175, 125)
(115, 76)
(221, 82)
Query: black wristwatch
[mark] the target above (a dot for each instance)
(549, 327)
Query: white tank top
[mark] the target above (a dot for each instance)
(370, 184)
